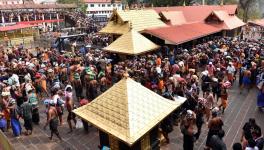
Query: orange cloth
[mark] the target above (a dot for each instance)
(6, 115)
(230, 77)
(44, 84)
(224, 100)
(158, 61)
(161, 84)
(45, 56)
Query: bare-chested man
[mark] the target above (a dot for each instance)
(70, 106)
(209, 104)
(52, 120)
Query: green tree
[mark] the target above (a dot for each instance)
(247, 7)
(80, 4)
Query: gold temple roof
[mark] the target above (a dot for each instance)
(131, 43)
(127, 110)
(115, 28)
(121, 21)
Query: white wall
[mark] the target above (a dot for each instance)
(102, 8)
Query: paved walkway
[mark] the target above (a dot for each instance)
(240, 108)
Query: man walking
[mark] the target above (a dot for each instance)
(26, 108)
(71, 115)
(52, 120)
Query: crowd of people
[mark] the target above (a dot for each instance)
(202, 74)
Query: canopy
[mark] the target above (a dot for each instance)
(131, 43)
(127, 110)
(15, 27)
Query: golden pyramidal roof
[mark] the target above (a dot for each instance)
(127, 110)
(140, 19)
(131, 43)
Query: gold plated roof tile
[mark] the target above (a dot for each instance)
(138, 19)
(131, 43)
(141, 110)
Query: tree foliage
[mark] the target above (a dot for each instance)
(248, 9)
(80, 4)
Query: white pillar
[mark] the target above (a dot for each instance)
(58, 18)
(19, 18)
(43, 18)
(35, 17)
(3, 20)
(50, 16)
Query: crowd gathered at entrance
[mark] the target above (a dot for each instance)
(202, 74)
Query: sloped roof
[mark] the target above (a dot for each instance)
(174, 17)
(229, 22)
(198, 13)
(183, 33)
(139, 19)
(15, 27)
(131, 43)
(127, 110)
(259, 22)
(115, 28)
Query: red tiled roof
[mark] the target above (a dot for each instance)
(174, 17)
(228, 22)
(15, 27)
(259, 22)
(183, 33)
(40, 21)
(198, 13)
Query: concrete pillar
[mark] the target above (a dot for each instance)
(19, 18)
(27, 17)
(58, 18)
(43, 18)
(50, 16)
(35, 17)
(3, 20)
